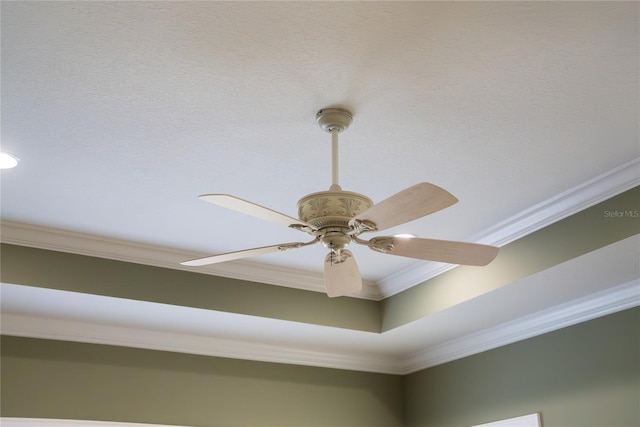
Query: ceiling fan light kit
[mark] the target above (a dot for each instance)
(336, 218)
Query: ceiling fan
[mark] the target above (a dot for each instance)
(337, 218)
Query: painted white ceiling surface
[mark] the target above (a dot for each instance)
(122, 113)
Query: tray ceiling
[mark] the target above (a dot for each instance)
(122, 113)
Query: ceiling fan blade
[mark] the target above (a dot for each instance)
(230, 256)
(341, 274)
(250, 208)
(436, 250)
(409, 204)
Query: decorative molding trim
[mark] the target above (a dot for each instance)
(49, 422)
(93, 333)
(580, 310)
(565, 204)
(531, 420)
(84, 244)
(602, 303)
(539, 216)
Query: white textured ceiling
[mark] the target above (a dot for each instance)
(123, 112)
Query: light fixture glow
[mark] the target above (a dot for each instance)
(404, 236)
(8, 161)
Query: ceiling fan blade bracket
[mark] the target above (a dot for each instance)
(296, 245)
(359, 241)
(359, 226)
(382, 244)
(304, 228)
(288, 246)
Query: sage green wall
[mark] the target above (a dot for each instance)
(587, 375)
(581, 376)
(571, 237)
(23, 265)
(57, 379)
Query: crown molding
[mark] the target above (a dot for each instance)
(580, 310)
(50, 422)
(535, 218)
(599, 304)
(21, 234)
(94, 333)
(543, 214)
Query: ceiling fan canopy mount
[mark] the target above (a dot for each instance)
(337, 218)
(338, 119)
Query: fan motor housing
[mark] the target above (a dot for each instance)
(331, 208)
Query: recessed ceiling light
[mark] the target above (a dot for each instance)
(8, 161)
